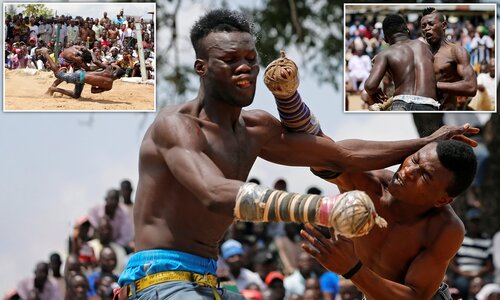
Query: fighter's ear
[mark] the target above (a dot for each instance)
(444, 25)
(444, 200)
(200, 67)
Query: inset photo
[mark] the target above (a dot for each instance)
(420, 57)
(79, 57)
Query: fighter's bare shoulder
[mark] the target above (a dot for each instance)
(258, 117)
(446, 232)
(177, 125)
(262, 124)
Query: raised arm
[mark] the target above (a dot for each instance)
(468, 85)
(300, 149)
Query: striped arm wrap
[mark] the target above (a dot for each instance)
(296, 115)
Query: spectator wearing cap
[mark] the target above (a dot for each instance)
(252, 295)
(276, 288)
(329, 284)
(490, 291)
(232, 251)
(474, 256)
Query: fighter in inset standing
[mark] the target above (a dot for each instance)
(454, 74)
(409, 62)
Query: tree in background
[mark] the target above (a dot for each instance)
(35, 10)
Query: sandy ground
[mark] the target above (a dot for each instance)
(355, 103)
(24, 92)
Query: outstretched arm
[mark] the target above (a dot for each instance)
(468, 85)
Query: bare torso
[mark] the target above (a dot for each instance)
(73, 55)
(445, 69)
(389, 252)
(102, 79)
(169, 216)
(410, 64)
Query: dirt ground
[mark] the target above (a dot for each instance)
(25, 92)
(356, 103)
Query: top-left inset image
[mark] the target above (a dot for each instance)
(79, 57)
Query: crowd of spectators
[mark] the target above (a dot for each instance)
(364, 38)
(259, 260)
(111, 40)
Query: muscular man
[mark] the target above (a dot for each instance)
(195, 158)
(409, 62)
(113, 34)
(453, 71)
(408, 259)
(77, 57)
(101, 81)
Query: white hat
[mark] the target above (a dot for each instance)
(487, 290)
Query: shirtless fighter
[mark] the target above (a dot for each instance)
(409, 62)
(101, 81)
(408, 259)
(195, 158)
(453, 71)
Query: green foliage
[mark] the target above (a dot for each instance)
(36, 10)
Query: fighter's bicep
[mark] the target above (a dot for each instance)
(377, 72)
(464, 68)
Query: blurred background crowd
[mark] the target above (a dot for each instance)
(259, 260)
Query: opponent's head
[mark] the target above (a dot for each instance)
(433, 25)
(435, 174)
(86, 56)
(226, 56)
(394, 25)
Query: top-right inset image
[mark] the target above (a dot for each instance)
(420, 58)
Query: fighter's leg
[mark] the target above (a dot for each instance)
(62, 91)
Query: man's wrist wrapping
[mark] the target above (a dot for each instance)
(262, 204)
(353, 271)
(296, 115)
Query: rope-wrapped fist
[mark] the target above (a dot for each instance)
(282, 77)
